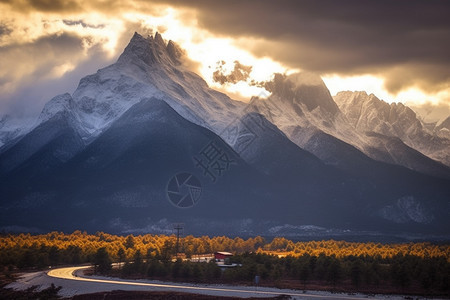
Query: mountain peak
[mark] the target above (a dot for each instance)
(139, 40)
(361, 98)
(369, 113)
(304, 88)
(136, 36)
(159, 40)
(151, 51)
(174, 51)
(306, 78)
(58, 104)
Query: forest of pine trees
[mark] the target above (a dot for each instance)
(422, 268)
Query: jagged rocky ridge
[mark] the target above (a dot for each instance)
(368, 114)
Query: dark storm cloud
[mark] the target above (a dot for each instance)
(31, 65)
(29, 100)
(345, 37)
(45, 5)
(107, 7)
(42, 54)
(82, 23)
(52, 5)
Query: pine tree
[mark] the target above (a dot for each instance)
(102, 261)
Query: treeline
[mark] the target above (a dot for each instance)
(399, 273)
(419, 267)
(55, 248)
(78, 247)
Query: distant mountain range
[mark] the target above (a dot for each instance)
(145, 143)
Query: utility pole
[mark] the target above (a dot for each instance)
(178, 227)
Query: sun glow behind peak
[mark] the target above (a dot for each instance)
(207, 50)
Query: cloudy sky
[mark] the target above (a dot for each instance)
(398, 50)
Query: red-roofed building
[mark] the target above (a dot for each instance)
(221, 256)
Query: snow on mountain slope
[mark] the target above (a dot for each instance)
(103, 97)
(367, 113)
(393, 150)
(12, 128)
(151, 61)
(149, 67)
(54, 141)
(301, 105)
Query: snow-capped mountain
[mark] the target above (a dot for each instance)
(302, 107)
(102, 158)
(151, 62)
(147, 67)
(367, 113)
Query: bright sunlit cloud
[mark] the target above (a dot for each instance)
(375, 85)
(418, 97)
(369, 83)
(207, 50)
(60, 70)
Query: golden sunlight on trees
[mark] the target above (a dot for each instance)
(420, 267)
(54, 247)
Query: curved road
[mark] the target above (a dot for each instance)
(74, 275)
